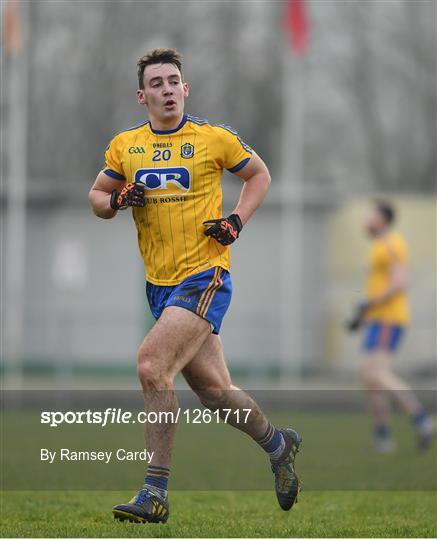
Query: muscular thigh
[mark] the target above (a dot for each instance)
(174, 340)
(207, 369)
(375, 362)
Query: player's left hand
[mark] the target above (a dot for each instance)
(357, 320)
(224, 230)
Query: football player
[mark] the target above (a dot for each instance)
(168, 170)
(384, 317)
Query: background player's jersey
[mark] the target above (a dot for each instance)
(182, 170)
(384, 253)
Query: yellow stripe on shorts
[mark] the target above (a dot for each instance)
(206, 291)
(211, 294)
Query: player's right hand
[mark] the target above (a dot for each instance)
(131, 195)
(358, 317)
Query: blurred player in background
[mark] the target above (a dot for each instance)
(385, 316)
(169, 171)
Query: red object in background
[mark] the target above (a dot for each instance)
(12, 35)
(296, 24)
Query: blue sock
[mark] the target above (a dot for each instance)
(420, 420)
(272, 442)
(382, 431)
(157, 478)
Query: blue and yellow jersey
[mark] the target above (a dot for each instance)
(182, 170)
(384, 253)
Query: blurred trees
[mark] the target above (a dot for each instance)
(370, 87)
(372, 104)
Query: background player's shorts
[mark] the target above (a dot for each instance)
(382, 336)
(208, 294)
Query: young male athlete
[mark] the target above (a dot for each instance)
(169, 171)
(385, 316)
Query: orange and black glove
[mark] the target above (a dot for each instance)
(131, 195)
(224, 230)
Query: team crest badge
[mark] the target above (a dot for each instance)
(187, 150)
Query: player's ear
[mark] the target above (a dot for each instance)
(186, 89)
(141, 97)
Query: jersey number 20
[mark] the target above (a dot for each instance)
(159, 155)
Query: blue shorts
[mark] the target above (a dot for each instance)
(382, 336)
(208, 294)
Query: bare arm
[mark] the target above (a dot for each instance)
(257, 180)
(100, 195)
(398, 283)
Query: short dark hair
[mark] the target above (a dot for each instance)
(386, 209)
(158, 56)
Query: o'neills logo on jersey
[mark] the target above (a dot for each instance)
(161, 178)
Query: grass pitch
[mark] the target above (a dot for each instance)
(348, 490)
(224, 514)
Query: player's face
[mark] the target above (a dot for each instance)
(374, 222)
(164, 92)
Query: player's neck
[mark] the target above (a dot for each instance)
(162, 125)
(383, 233)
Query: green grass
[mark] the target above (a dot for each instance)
(224, 514)
(349, 491)
(336, 455)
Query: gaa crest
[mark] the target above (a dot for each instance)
(187, 150)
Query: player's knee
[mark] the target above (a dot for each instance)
(149, 369)
(372, 380)
(145, 372)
